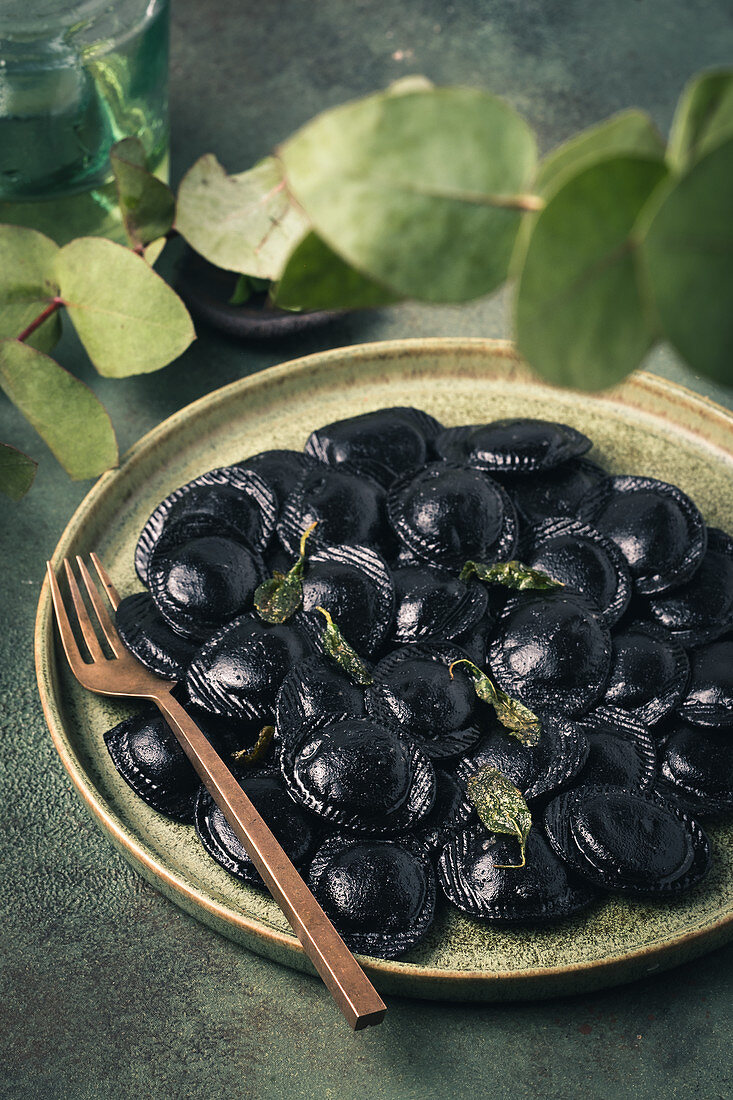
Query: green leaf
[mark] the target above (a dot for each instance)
(501, 808)
(342, 653)
(688, 263)
(147, 205)
(254, 754)
(419, 192)
(517, 719)
(128, 319)
(277, 599)
(512, 574)
(316, 278)
(64, 411)
(580, 317)
(17, 471)
(152, 251)
(703, 119)
(244, 223)
(27, 285)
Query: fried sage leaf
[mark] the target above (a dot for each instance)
(501, 807)
(258, 750)
(512, 574)
(342, 653)
(280, 596)
(519, 720)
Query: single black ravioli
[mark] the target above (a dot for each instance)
(348, 508)
(380, 894)
(708, 700)
(517, 445)
(696, 766)
(447, 514)
(145, 633)
(551, 651)
(556, 492)
(656, 526)
(649, 671)
(545, 889)
(382, 444)
(701, 610)
(310, 691)
(451, 811)
(354, 584)
(621, 751)
(433, 605)
(280, 470)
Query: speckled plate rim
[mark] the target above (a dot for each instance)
(643, 392)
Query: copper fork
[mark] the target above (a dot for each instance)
(123, 675)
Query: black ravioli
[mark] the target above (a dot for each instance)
(656, 526)
(551, 651)
(451, 811)
(280, 470)
(649, 671)
(382, 444)
(204, 583)
(697, 766)
(448, 514)
(380, 894)
(708, 700)
(413, 689)
(238, 672)
(701, 610)
(146, 634)
(583, 560)
(622, 753)
(543, 890)
(633, 842)
(229, 501)
(359, 774)
(313, 690)
(354, 584)
(293, 828)
(517, 445)
(349, 508)
(537, 771)
(557, 492)
(433, 605)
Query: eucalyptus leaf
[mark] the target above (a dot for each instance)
(27, 285)
(315, 277)
(147, 205)
(128, 319)
(580, 317)
(17, 471)
(688, 262)
(510, 574)
(152, 251)
(517, 719)
(420, 191)
(245, 223)
(501, 808)
(339, 650)
(63, 410)
(703, 119)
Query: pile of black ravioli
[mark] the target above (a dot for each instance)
(628, 665)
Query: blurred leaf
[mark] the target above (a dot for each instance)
(17, 471)
(579, 316)
(152, 251)
(64, 412)
(688, 260)
(316, 278)
(27, 285)
(244, 223)
(242, 291)
(703, 119)
(416, 191)
(147, 205)
(128, 319)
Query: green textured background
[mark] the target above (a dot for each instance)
(108, 990)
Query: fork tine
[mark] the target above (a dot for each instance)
(71, 649)
(85, 623)
(112, 594)
(108, 628)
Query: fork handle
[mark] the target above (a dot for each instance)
(348, 984)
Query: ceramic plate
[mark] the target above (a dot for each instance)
(647, 426)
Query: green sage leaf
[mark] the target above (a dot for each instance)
(688, 262)
(342, 653)
(517, 719)
(580, 315)
(511, 574)
(246, 223)
(128, 319)
(703, 119)
(27, 285)
(419, 192)
(315, 277)
(17, 471)
(501, 808)
(147, 205)
(279, 597)
(63, 410)
(259, 749)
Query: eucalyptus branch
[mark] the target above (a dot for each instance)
(50, 309)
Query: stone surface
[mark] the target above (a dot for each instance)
(106, 988)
